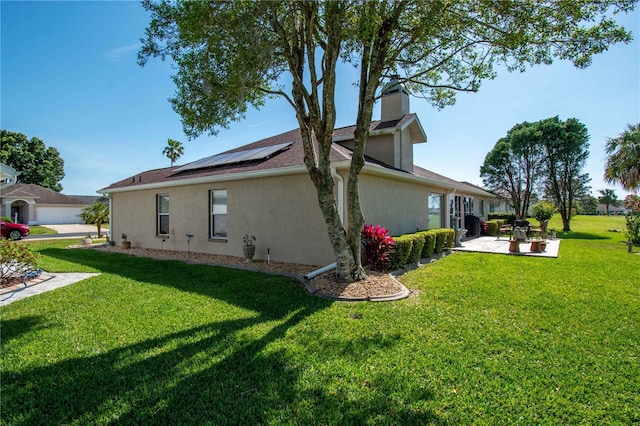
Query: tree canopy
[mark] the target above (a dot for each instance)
(566, 149)
(512, 168)
(623, 162)
(234, 55)
(38, 164)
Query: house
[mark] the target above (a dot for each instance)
(35, 205)
(264, 189)
(601, 209)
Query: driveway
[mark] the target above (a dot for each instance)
(69, 231)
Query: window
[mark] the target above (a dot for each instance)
(455, 211)
(163, 214)
(481, 207)
(434, 206)
(218, 225)
(468, 205)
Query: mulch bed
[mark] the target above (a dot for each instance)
(377, 284)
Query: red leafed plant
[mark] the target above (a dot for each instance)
(378, 246)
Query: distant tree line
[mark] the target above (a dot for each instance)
(37, 163)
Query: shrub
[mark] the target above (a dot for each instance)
(440, 241)
(429, 244)
(492, 227)
(378, 246)
(416, 248)
(449, 237)
(402, 249)
(632, 204)
(15, 260)
(509, 217)
(6, 219)
(542, 211)
(483, 227)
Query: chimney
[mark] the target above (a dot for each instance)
(395, 100)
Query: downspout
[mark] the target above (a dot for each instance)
(312, 275)
(111, 240)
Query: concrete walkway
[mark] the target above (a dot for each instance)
(501, 246)
(45, 282)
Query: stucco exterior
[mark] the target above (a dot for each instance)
(281, 212)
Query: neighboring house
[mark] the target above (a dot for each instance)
(613, 210)
(35, 205)
(264, 189)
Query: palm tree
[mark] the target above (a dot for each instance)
(623, 164)
(608, 198)
(173, 150)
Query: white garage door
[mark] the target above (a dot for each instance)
(58, 215)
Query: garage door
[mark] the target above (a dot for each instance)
(57, 215)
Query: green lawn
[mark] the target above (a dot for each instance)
(40, 230)
(485, 339)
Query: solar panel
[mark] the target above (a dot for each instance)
(235, 157)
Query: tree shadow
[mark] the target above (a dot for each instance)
(13, 328)
(571, 235)
(236, 371)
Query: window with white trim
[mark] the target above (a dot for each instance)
(218, 214)
(434, 206)
(163, 214)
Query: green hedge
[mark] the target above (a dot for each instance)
(409, 248)
(401, 251)
(416, 248)
(492, 227)
(6, 219)
(508, 217)
(429, 244)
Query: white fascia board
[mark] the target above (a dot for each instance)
(415, 121)
(282, 171)
(385, 131)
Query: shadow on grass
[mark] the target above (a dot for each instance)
(13, 328)
(222, 372)
(570, 235)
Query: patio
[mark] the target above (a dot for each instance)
(501, 246)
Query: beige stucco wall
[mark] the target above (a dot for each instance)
(282, 212)
(379, 147)
(400, 207)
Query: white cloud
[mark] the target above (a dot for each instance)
(118, 53)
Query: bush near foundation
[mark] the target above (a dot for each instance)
(416, 248)
(15, 260)
(429, 244)
(492, 227)
(403, 245)
(378, 246)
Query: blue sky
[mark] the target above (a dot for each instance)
(69, 76)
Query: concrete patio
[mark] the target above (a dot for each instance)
(501, 246)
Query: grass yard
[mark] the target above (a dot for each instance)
(486, 339)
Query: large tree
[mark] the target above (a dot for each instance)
(173, 150)
(232, 55)
(623, 162)
(512, 168)
(37, 163)
(566, 149)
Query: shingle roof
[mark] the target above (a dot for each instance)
(41, 194)
(292, 157)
